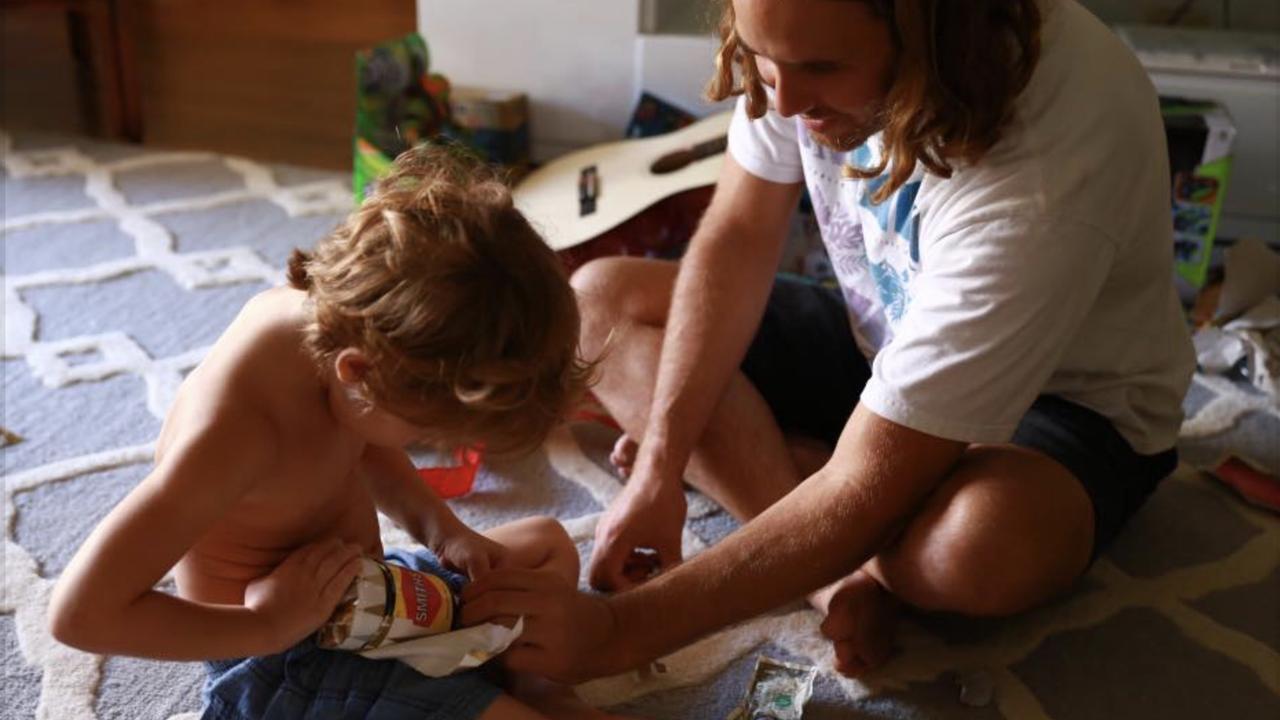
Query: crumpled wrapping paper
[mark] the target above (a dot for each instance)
(1246, 323)
(455, 651)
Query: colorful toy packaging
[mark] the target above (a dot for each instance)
(1200, 136)
(399, 104)
(495, 123)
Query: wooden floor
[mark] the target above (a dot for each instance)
(269, 79)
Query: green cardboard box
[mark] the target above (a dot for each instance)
(399, 104)
(1200, 135)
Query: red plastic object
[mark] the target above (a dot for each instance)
(454, 480)
(597, 417)
(1253, 485)
(590, 410)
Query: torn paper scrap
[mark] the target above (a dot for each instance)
(446, 653)
(779, 690)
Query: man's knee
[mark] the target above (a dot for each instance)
(595, 277)
(604, 288)
(597, 302)
(995, 539)
(619, 291)
(621, 285)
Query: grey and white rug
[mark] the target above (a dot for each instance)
(121, 266)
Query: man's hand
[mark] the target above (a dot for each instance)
(470, 552)
(639, 534)
(300, 594)
(568, 636)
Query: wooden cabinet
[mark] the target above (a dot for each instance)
(269, 79)
(67, 69)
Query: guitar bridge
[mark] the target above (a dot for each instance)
(588, 190)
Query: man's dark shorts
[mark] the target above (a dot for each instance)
(805, 363)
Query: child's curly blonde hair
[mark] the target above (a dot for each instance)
(464, 313)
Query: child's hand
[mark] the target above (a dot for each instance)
(471, 552)
(302, 592)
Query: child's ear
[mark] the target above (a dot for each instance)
(351, 366)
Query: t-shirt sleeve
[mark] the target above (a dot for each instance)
(768, 147)
(992, 311)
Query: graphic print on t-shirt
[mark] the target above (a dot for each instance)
(874, 247)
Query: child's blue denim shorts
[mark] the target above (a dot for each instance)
(310, 683)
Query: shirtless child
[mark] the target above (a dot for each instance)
(435, 314)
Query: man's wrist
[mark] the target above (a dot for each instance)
(657, 463)
(619, 653)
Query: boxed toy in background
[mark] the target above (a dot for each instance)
(1200, 135)
(399, 104)
(495, 123)
(654, 116)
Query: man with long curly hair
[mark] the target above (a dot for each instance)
(967, 422)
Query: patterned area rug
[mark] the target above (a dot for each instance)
(121, 267)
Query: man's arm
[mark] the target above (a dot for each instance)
(826, 528)
(719, 297)
(823, 530)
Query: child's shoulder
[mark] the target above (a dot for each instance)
(259, 361)
(268, 330)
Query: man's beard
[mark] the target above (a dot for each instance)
(853, 137)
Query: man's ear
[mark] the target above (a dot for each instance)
(351, 366)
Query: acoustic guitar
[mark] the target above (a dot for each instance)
(587, 193)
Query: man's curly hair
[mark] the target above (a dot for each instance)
(465, 314)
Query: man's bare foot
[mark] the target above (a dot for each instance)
(861, 619)
(623, 456)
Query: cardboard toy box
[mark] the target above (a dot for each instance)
(1200, 135)
(493, 122)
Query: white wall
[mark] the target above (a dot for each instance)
(581, 62)
(574, 58)
(676, 68)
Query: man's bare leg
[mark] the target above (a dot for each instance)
(624, 304)
(997, 497)
(1007, 530)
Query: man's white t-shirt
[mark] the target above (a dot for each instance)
(1045, 268)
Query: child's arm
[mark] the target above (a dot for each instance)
(104, 601)
(404, 496)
